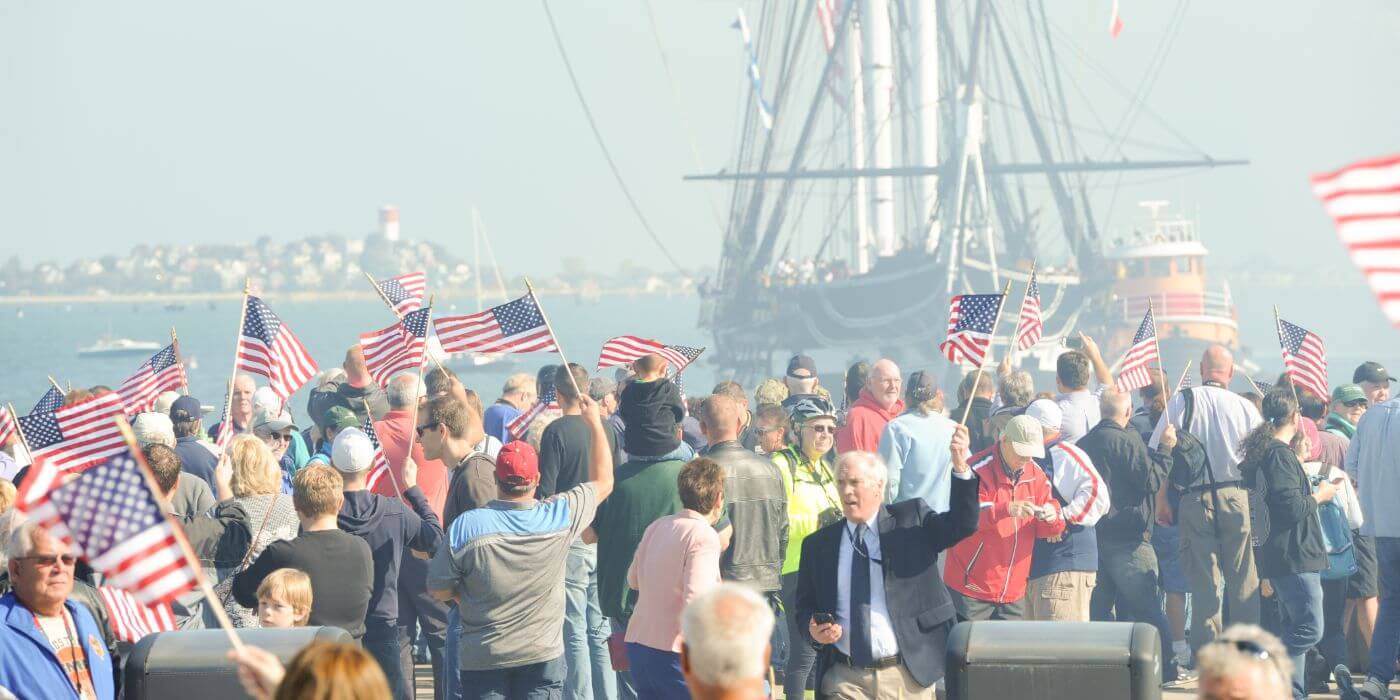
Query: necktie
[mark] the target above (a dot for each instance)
(861, 654)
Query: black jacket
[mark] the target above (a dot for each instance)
(389, 528)
(356, 397)
(651, 411)
(756, 507)
(1133, 479)
(911, 537)
(1294, 544)
(977, 418)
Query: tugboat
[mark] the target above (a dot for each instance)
(1166, 265)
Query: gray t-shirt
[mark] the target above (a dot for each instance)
(506, 561)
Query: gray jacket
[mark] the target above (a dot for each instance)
(756, 506)
(1373, 460)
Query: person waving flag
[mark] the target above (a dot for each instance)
(1133, 374)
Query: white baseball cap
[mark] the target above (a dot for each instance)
(352, 451)
(1048, 413)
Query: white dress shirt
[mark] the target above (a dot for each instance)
(882, 641)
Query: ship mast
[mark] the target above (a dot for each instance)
(877, 68)
(860, 222)
(924, 30)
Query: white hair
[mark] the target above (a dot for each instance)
(10, 523)
(725, 632)
(163, 402)
(404, 390)
(154, 429)
(334, 375)
(868, 462)
(1223, 658)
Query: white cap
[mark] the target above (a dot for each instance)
(352, 451)
(265, 397)
(1048, 413)
(153, 428)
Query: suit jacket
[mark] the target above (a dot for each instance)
(911, 536)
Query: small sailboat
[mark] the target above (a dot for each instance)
(483, 361)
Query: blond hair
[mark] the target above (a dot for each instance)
(317, 490)
(290, 586)
(255, 471)
(7, 495)
(333, 671)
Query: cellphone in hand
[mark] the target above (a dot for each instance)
(823, 618)
(1074, 343)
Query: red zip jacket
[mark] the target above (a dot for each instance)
(993, 563)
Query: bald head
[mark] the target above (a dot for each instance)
(720, 418)
(1217, 365)
(884, 383)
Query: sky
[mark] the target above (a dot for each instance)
(167, 121)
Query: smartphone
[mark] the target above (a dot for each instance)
(823, 618)
(1074, 343)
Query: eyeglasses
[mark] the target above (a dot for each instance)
(823, 429)
(424, 428)
(47, 560)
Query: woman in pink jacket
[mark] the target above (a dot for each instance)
(677, 560)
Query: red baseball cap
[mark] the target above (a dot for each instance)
(517, 463)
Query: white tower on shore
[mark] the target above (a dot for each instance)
(389, 222)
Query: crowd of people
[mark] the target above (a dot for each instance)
(633, 542)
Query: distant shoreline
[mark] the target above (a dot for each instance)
(305, 296)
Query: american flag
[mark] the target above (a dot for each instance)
(404, 292)
(132, 620)
(267, 347)
(1029, 328)
(1363, 200)
(380, 466)
(123, 532)
(7, 425)
(49, 402)
(76, 436)
(33, 499)
(970, 322)
(515, 326)
(162, 372)
(627, 348)
(1184, 382)
(548, 401)
(225, 434)
(397, 348)
(1133, 374)
(1304, 358)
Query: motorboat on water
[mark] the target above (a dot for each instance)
(114, 347)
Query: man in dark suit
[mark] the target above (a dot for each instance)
(869, 590)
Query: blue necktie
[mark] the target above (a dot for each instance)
(861, 654)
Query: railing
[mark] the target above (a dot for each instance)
(1178, 304)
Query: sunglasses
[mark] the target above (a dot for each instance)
(823, 429)
(424, 428)
(1244, 646)
(47, 560)
(1359, 403)
(279, 437)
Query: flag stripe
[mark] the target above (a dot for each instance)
(1363, 200)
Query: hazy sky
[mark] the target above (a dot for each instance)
(177, 121)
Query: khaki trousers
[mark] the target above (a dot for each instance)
(1207, 559)
(1060, 597)
(893, 683)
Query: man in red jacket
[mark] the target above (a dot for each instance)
(986, 573)
(879, 402)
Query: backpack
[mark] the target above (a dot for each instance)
(1336, 536)
(1190, 466)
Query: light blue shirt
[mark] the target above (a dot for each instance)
(882, 640)
(915, 450)
(1373, 459)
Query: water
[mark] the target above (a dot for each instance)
(45, 341)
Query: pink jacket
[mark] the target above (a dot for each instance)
(864, 423)
(677, 560)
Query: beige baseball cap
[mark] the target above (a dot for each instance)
(1026, 436)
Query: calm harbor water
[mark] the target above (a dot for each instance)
(45, 339)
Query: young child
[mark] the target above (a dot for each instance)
(284, 599)
(651, 409)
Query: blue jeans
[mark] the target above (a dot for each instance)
(451, 661)
(586, 631)
(541, 681)
(1300, 611)
(1385, 641)
(656, 673)
(382, 642)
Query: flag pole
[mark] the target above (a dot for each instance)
(175, 343)
(1257, 390)
(395, 311)
(228, 393)
(190, 560)
(557, 347)
(19, 430)
(1278, 328)
(55, 384)
(1157, 346)
(990, 344)
(1182, 380)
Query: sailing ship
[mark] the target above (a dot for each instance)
(910, 151)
